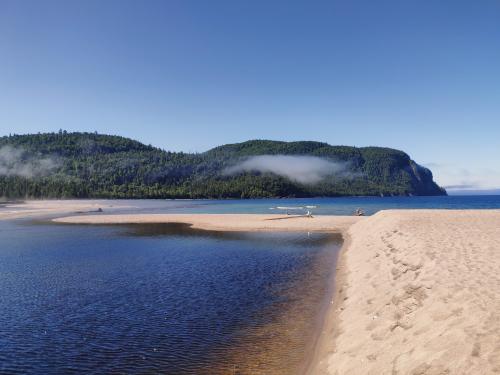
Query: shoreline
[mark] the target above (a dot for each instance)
(328, 330)
(225, 222)
(414, 291)
(326, 318)
(417, 291)
(214, 222)
(41, 208)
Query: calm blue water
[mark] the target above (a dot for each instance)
(326, 206)
(158, 299)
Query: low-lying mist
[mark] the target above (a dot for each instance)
(15, 161)
(302, 169)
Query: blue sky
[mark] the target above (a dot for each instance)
(421, 76)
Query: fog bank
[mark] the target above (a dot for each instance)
(302, 169)
(17, 162)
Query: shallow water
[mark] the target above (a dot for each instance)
(159, 299)
(324, 206)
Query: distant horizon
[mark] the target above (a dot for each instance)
(464, 193)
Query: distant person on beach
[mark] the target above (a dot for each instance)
(359, 212)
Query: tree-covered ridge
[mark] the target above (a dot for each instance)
(93, 165)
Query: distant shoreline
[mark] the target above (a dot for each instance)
(42, 199)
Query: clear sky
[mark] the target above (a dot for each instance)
(422, 76)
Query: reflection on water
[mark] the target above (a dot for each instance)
(159, 298)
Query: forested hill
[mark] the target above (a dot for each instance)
(88, 165)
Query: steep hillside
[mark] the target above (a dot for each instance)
(93, 165)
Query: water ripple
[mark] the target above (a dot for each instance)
(158, 299)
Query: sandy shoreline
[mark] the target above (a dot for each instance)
(245, 222)
(226, 222)
(326, 340)
(39, 208)
(417, 291)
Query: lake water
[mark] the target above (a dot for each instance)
(325, 206)
(159, 299)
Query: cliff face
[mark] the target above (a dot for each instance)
(93, 165)
(423, 181)
(368, 170)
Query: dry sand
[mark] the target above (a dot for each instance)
(51, 207)
(226, 222)
(418, 291)
(419, 294)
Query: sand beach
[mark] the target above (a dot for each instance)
(227, 222)
(39, 208)
(417, 291)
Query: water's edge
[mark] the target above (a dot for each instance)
(326, 338)
(310, 295)
(327, 306)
